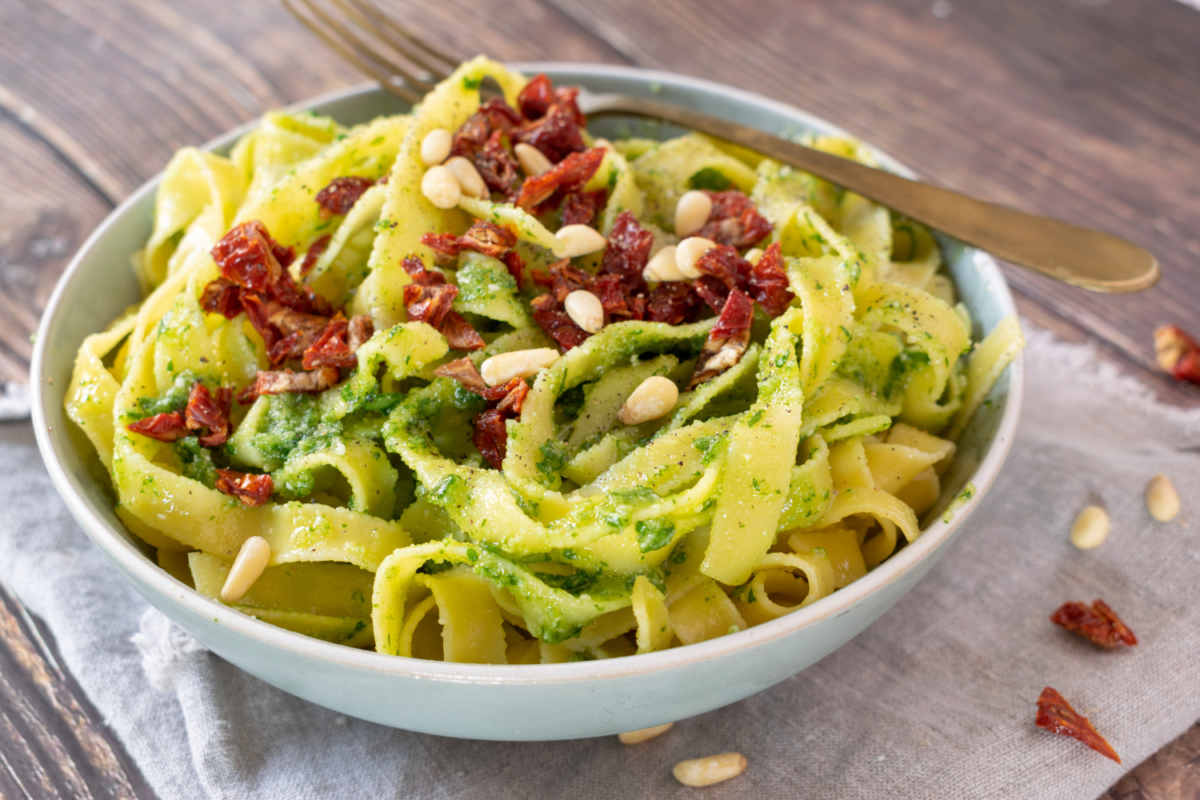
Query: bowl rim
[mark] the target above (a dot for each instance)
(125, 555)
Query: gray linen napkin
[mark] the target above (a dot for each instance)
(935, 700)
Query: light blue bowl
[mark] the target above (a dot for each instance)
(493, 702)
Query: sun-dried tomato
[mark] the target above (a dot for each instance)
(465, 372)
(285, 381)
(615, 299)
(496, 165)
(416, 270)
(571, 174)
(341, 194)
(712, 291)
(769, 283)
(253, 490)
(488, 238)
(362, 328)
(515, 392)
(734, 221)
(287, 333)
(332, 347)
(315, 250)
(516, 267)
(537, 97)
(246, 256)
(1177, 353)
(1097, 623)
(429, 303)
(165, 427)
(459, 333)
(579, 208)
(723, 263)
(1056, 715)
(494, 115)
(444, 246)
(628, 251)
(206, 411)
(564, 278)
(490, 436)
(548, 313)
(727, 340)
(222, 296)
(673, 302)
(556, 133)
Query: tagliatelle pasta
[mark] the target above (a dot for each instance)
(315, 363)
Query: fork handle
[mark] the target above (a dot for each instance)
(1078, 256)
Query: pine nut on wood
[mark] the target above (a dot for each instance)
(1090, 528)
(440, 187)
(503, 367)
(689, 251)
(435, 147)
(661, 266)
(469, 179)
(581, 240)
(707, 771)
(585, 310)
(644, 734)
(251, 560)
(653, 398)
(532, 160)
(691, 212)
(1162, 501)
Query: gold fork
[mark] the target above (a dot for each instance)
(409, 67)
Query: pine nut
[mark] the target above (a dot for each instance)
(469, 179)
(653, 398)
(251, 560)
(603, 143)
(585, 310)
(533, 161)
(707, 771)
(1090, 528)
(1161, 498)
(691, 212)
(753, 255)
(661, 266)
(644, 734)
(503, 367)
(440, 187)
(435, 147)
(581, 240)
(689, 251)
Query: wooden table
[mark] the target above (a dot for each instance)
(1085, 109)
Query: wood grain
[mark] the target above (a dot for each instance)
(1085, 109)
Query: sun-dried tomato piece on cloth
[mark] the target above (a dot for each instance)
(252, 490)
(166, 427)
(727, 341)
(571, 174)
(734, 220)
(341, 194)
(285, 381)
(1177, 353)
(769, 283)
(1097, 623)
(550, 316)
(204, 410)
(1056, 715)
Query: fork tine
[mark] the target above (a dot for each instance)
(365, 50)
(395, 29)
(356, 17)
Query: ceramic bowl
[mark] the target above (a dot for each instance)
(494, 702)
